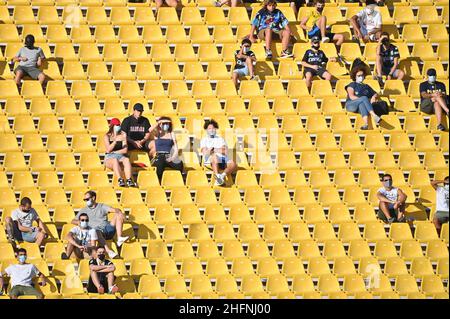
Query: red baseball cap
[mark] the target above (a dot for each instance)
(114, 121)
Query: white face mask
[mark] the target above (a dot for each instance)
(359, 79)
(370, 10)
(90, 202)
(212, 133)
(446, 187)
(432, 78)
(84, 224)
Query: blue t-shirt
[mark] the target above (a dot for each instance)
(361, 89)
(274, 20)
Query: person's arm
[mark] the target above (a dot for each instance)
(423, 92)
(175, 148)
(70, 238)
(303, 24)
(42, 279)
(374, 98)
(115, 211)
(108, 145)
(401, 196)
(306, 64)
(41, 58)
(351, 93)
(76, 221)
(124, 149)
(253, 29)
(109, 268)
(383, 198)
(354, 22)
(42, 226)
(98, 268)
(394, 67)
(23, 228)
(18, 57)
(436, 183)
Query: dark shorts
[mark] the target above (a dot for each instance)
(18, 290)
(102, 277)
(31, 71)
(427, 106)
(386, 69)
(222, 162)
(441, 216)
(108, 232)
(319, 72)
(315, 32)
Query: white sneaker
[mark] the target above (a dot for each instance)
(377, 119)
(112, 254)
(325, 39)
(219, 180)
(121, 240)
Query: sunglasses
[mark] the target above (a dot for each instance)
(84, 220)
(387, 180)
(86, 199)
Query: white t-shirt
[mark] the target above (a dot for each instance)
(368, 23)
(215, 142)
(84, 236)
(392, 194)
(442, 199)
(25, 219)
(22, 274)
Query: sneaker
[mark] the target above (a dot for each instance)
(325, 39)
(269, 54)
(112, 254)
(121, 240)
(101, 290)
(286, 54)
(440, 127)
(377, 119)
(364, 127)
(130, 183)
(217, 4)
(255, 78)
(113, 289)
(121, 182)
(64, 256)
(391, 220)
(219, 180)
(380, 80)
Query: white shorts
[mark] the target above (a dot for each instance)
(242, 71)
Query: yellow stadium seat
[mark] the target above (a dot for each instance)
(436, 33)
(120, 16)
(413, 33)
(191, 267)
(359, 248)
(406, 284)
(144, 16)
(167, 16)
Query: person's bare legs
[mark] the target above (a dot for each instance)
(385, 209)
(338, 39)
(438, 225)
(96, 282)
(9, 227)
(268, 33)
(110, 277)
(18, 77)
(285, 38)
(250, 67)
(159, 3)
(152, 149)
(441, 102)
(400, 211)
(126, 167)
(437, 110)
(214, 164)
(322, 24)
(102, 242)
(117, 221)
(114, 165)
(42, 79)
(400, 75)
(327, 76)
(172, 3)
(308, 79)
(379, 66)
(294, 7)
(40, 238)
(231, 168)
(69, 249)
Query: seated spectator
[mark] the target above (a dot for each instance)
(392, 201)
(367, 23)
(230, 3)
(22, 275)
(98, 219)
(80, 239)
(360, 97)
(163, 148)
(116, 147)
(245, 60)
(270, 21)
(169, 3)
(387, 60)
(20, 225)
(314, 62)
(136, 128)
(215, 152)
(101, 277)
(434, 98)
(441, 214)
(30, 59)
(316, 25)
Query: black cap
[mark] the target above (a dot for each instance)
(370, 2)
(315, 39)
(138, 107)
(431, 72)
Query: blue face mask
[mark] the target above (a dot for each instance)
(22, 258)
(84, 224)
(90, 202)
(117, 128)
(165, 127)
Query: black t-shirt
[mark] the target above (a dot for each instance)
(101, 276)
(240, 62)
(388, 55)
(135, 128)
(315, 57)
(431, 88)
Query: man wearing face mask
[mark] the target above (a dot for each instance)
(434, 98)
(245, 60)
(387, 60)
(136, 128)
(30, 59)
(20, 225)
(116, 148)
(442, 209)
(214, 151)
(316, 25)
(101, 273)
(392, 201)
(98, 219)
(22, 275)
(314, 62)
(367, 23)
(80, 239)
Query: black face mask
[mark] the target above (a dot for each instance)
(101, 257)
(319, 9)
(385, 41)
(316, 46)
